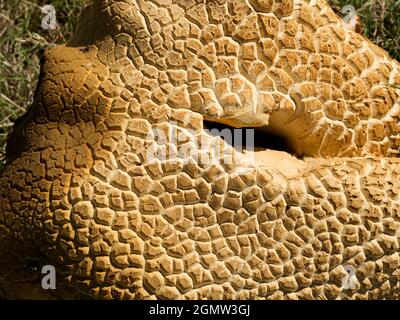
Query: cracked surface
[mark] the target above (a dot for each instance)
(80, 191)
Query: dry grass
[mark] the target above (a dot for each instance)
(380, 21)
(22, 38)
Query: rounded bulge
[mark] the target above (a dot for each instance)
(71, 78)
(55, 142)
(73, 97)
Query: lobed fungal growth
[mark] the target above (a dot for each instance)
(83, 191)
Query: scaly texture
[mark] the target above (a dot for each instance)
(83, 191)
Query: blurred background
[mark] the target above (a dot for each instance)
(22, 37)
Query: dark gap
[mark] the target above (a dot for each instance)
(263, 138)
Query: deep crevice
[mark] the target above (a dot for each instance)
(264, 138)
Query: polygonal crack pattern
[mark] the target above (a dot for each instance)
(82, 192)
